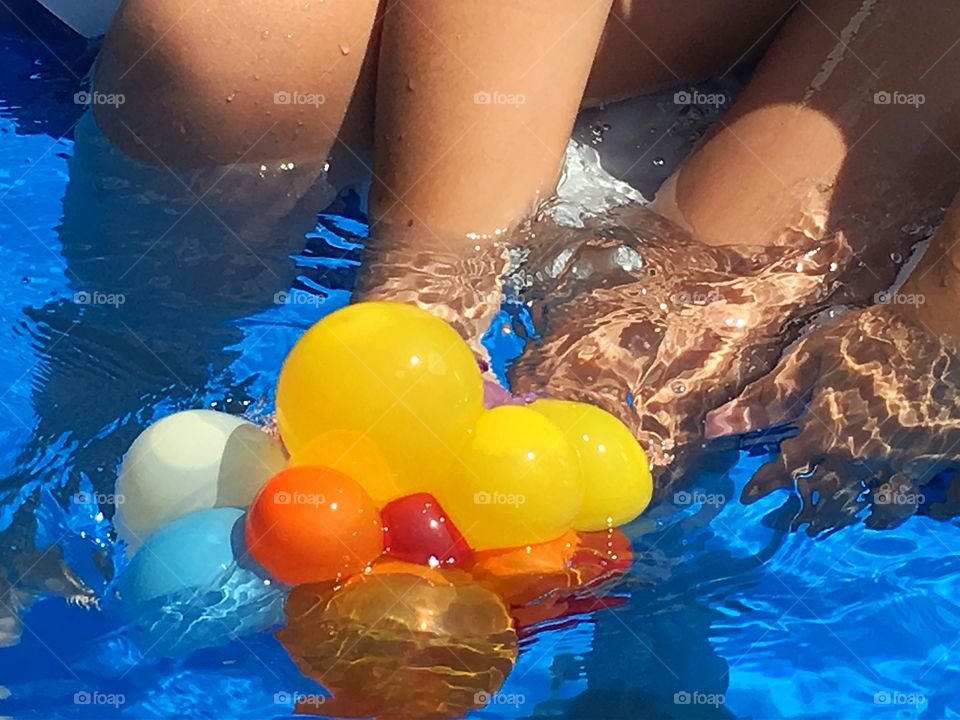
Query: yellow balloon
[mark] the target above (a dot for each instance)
(616, 475)
(394, 374)
(357, 457)
(517, 482)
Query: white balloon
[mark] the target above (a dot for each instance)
(189, 461)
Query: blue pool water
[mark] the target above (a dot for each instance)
(724, 617)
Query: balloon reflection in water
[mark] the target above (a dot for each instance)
(400, 644)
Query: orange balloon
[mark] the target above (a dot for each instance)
(601, 556)
(560, 567)
(522, 574)
(313, 524)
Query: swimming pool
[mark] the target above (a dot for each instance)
(724, 616)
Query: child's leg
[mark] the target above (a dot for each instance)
(849, 126)
(216, 82)
(475, 104)
(932, 292)
(475, 101)
(651, 44)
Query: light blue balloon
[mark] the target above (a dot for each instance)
(189, 553)
(191, 585)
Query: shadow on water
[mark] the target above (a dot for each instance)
(656, 656)
(166, 274)
(44, 65)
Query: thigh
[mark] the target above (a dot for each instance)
(849, 128)
(651, 44)
(217, 82)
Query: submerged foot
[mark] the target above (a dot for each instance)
(29, 574)
(876, 400)
(463, 289)
(638, 318)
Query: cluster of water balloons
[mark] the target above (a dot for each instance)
(389, 471)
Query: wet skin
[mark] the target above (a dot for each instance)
(876, 398)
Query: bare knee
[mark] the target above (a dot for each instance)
(222, 82)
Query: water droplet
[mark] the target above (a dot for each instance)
(627, 258)
(658, 161)
(410, 84)
(265, 34)
(344, 49)
(896, 257)
(679, 388)
(232, 96)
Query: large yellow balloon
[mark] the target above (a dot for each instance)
(517, 482)
(394, 374)
(616, 475)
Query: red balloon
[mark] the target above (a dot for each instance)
(417, 530)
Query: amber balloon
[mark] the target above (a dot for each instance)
(400, 644)
(355, 455)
